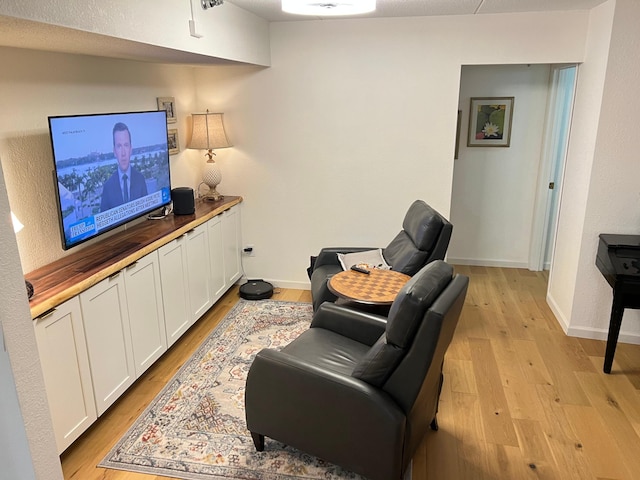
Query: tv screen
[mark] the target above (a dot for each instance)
(109, 169)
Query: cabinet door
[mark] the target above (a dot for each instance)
(146, 314)
(65, 367)
(232, 244)
(106, 325)
(216, 257)
(175, 293)
(200, 295)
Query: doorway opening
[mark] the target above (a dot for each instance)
(552, 165)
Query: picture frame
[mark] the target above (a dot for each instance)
(490, 122)
(168, 104)
(172, 141)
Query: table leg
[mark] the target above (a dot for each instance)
(617, 310)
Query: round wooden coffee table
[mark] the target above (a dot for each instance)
(380, 287)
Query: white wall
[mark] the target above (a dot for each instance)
(582, 139)
(19, 340)
(354, 120)
(494, 188)
(613, 202)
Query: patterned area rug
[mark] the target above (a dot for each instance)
(195, 428)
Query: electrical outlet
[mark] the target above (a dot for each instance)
(249, 251)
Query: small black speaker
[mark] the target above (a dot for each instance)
(183, 201)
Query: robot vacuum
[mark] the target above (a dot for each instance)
(256, 290)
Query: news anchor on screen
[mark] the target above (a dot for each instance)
(126, 183)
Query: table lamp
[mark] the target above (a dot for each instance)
(207, 132)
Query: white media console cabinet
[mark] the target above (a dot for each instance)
(104, 314)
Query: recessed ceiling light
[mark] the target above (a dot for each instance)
(328, 7)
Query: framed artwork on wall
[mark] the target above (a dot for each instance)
(172, 141)
(490, 122)
(168, 104)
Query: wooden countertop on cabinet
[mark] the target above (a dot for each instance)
(63, 279)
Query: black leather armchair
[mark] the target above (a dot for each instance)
(356, 389)
(424, 238)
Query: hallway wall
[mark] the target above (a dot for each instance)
(494, 188)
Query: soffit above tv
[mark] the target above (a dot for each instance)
(271, 10)
(21, 33)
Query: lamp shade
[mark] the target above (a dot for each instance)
(207, 132)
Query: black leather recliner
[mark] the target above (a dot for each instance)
(356, 389)
(424, 238)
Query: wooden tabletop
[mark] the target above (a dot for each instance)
(58, 281)
(380, 287)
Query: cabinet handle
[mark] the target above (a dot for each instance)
(190, 231)
(133, 265)
(113, 275)
(46, 314)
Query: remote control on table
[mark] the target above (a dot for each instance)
(361, 270)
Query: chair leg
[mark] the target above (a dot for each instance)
(258, 441)
(434, 424)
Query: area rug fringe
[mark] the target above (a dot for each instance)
(195, 428)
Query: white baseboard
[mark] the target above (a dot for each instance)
(589, 332)
(289, 284)
(564, 324)
(486, 263)
(601, 334)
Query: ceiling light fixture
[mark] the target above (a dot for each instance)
(328, 7)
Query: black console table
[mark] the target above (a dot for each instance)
(618, 259)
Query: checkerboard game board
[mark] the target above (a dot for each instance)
(380, 287)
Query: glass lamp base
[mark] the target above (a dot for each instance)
(212, 195)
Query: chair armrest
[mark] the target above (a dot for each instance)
(360, 326)
(291, 400)
(329, 255)
(332, 416)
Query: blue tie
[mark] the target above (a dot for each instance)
(125, 188)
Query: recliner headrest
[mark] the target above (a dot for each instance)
(414, 300)
(407, 311)
(423, 224)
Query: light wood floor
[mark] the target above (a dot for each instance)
(520, 400)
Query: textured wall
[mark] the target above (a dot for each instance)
(20, 342)
(613, 205)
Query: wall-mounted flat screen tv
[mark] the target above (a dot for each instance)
(109, 169)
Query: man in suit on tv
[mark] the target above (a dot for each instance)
(126, 183)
